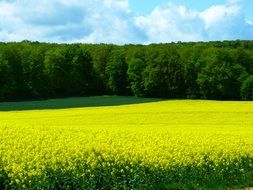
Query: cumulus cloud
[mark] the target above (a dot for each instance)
(96, 21)
(217, 14)
(112, 21)
(177, 23)
(227, 22)
(172, 23)
(224, 22)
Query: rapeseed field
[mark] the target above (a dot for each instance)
(165, 144)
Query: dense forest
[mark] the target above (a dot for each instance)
(199, 70)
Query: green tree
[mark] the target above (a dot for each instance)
(15, 83)
(247, 89)
(116, 71)
(4, 77)
(70, 71)
(58, 70)
(135, 75)
(100, 56)
(164, 75)
(220, 78)
(82, 74)
(190, 58)
(136, 65)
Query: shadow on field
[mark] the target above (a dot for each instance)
(77, 102)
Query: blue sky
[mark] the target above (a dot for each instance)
(125, 21)
(146, 6)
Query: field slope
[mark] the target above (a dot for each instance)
(132, 144)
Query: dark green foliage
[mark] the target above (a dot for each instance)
(135, 70)
(245, 58)
(57, 67)
(212, 70)
(81, 73)
(13, 75)
(190, 58)
(70, 71)
(247, 89)
(220, 78)
(4, 74)
(116, 71)
(136, 59)
(164, 74)
(100, 56)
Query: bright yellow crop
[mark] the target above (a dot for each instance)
(197, 144)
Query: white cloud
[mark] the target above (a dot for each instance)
(172, 23)
(112, 21)
(96, 21)
(122, 4)
(215, 15)
(177, 23)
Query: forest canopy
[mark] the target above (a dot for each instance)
(195, 70)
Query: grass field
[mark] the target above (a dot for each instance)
(126, 143)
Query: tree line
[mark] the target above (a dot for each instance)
(195, 70)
